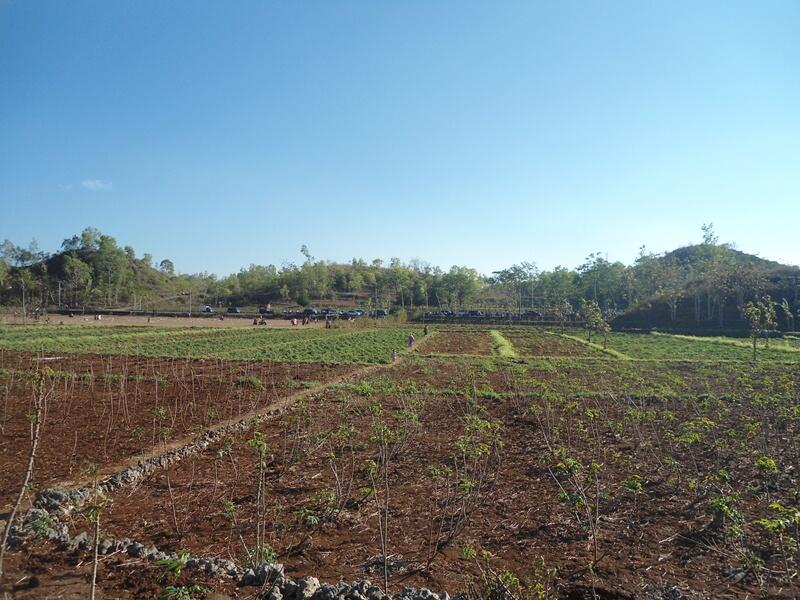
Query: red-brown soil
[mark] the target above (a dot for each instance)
(101, 410)
(654, 491)
(539, 343)
(589, 377)
(457, 342)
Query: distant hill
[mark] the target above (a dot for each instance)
(711, 285)
(701, 287)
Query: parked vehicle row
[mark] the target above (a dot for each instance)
(528, 315)
(332, 313)
(382, 313)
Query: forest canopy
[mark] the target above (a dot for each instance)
(706, 283)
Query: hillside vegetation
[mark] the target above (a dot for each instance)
(699, 287)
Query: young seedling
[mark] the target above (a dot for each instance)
(42, 389)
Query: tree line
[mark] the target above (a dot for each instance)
(705, 283)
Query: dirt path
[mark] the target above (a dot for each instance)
(107, 320)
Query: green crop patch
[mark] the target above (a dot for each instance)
(672, 347)
(362, 346)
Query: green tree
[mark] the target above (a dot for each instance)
(90, 238)
(4, 269)
(167, 266)
(111, 268)
(79, 279)
(593, 320)
(670, 282)
(557, 286)
(518, 281)
(761, 318)
(787, 314)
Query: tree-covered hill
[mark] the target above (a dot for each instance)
(707, 286)
(701, 286)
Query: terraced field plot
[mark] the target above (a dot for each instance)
(536, 342)
(335, 346)
(654, 448)
(100, 410)
(670, 347)
(458, 342)
(623, 478)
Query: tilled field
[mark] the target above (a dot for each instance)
(549, 344)
(455, 342)
(100, 410)
(657, 494)
(571, 476)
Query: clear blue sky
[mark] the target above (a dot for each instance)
(218, 134)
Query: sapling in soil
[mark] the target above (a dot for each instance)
(92, 511)
(42, 389)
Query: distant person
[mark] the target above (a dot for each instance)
(410, 340)
(394, 355)
(255, 320)
(425, 329)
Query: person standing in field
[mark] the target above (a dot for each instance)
(410, 340)
(394, 355)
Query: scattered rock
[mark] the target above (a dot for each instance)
(248, 578)
(307, 587)
(326, 592)
(80, 541)
(136, 550)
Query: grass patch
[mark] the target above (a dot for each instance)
(250, 381)
(776, 344)
(609, 351)
(501, 345)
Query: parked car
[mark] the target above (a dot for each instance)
(379, 313)
(234, 310)
(531, 314)
(206, 309)
(310, 312)
(329, 313)
(263, 310)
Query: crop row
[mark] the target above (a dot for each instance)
(647, 346)
(311, 345)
